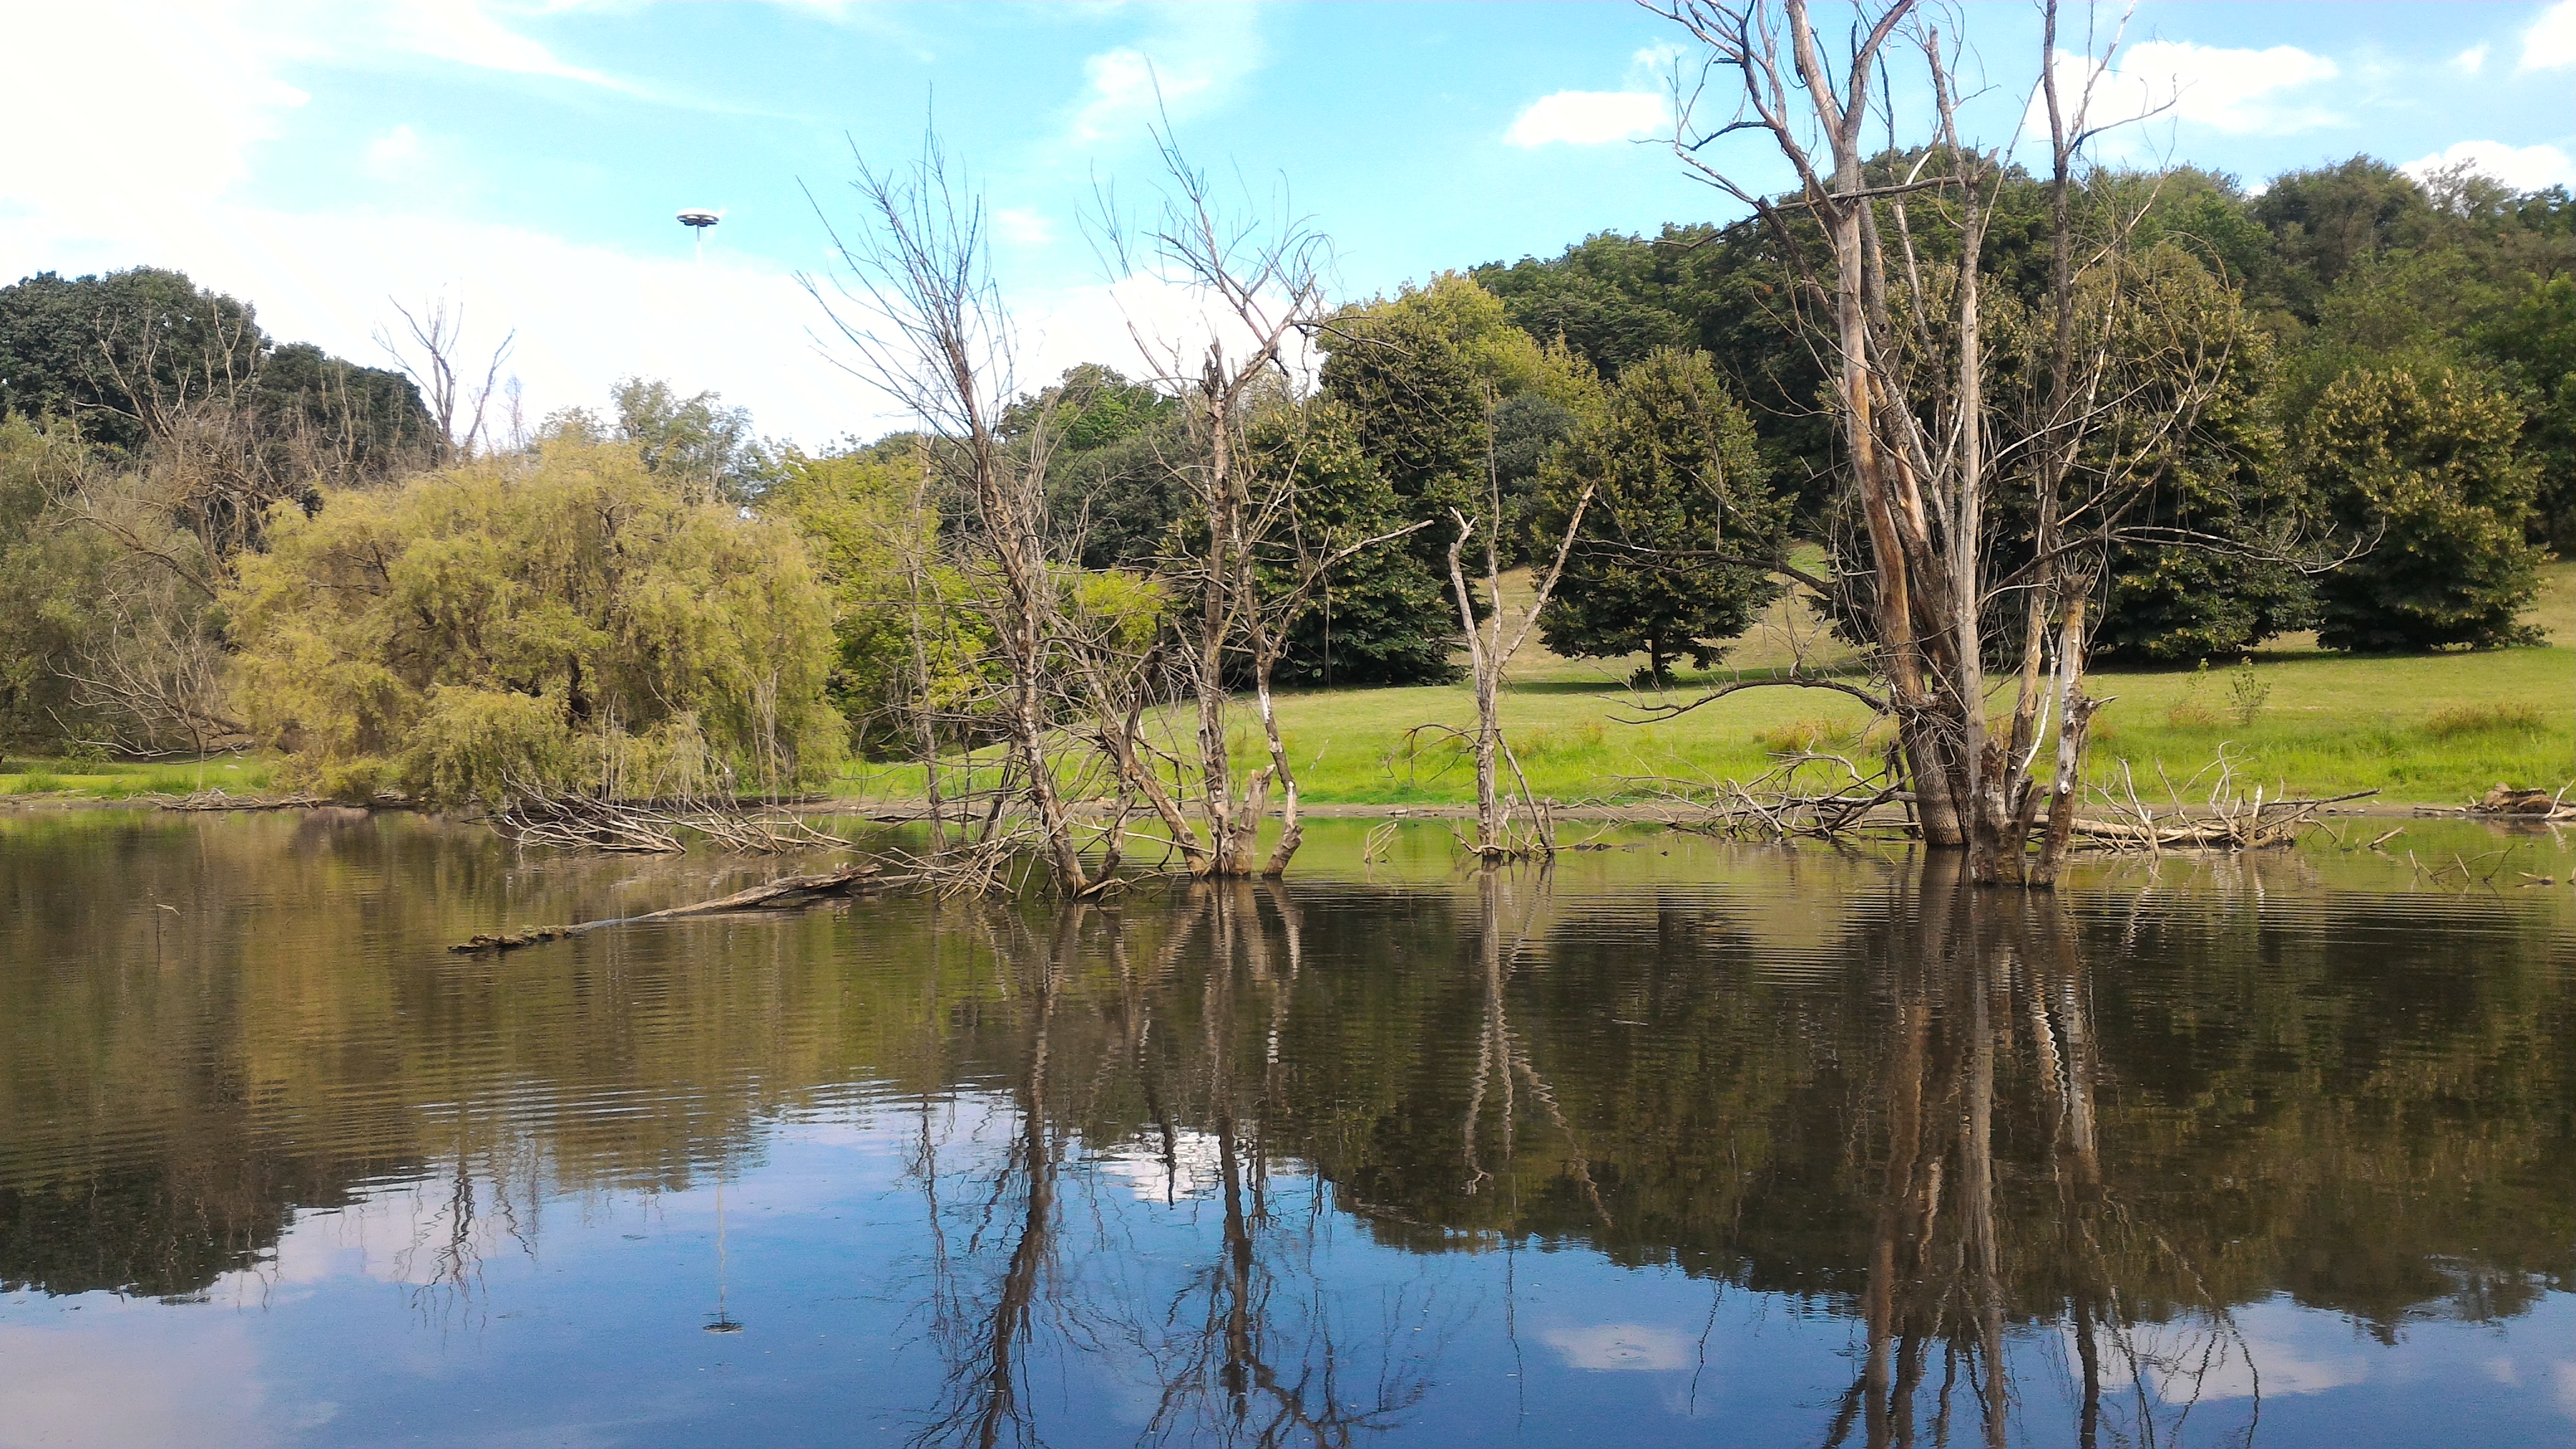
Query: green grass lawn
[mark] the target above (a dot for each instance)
(124, 780)
(2433, 729)
(2425, 729)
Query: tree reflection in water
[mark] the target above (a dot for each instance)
(1251, 1348)
(1986, 991)
(1189, 1166)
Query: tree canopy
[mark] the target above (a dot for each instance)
(1669, 560)
(564, 621)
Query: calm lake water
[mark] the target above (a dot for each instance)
(1679, 1143)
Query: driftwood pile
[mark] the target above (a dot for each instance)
(2224, 818)
(647, 827)
(1810, 795)
(784, 893)
(215, 798)
(2513, 804)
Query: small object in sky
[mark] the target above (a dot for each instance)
(697, 219)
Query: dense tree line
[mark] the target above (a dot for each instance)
(2456, 285)
(2382, 448)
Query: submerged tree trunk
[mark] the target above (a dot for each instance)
(1904, 341)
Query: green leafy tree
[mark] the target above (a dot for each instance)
(1608, 297)
(2428, 468)
(1417, 414)
(126, 355)
(2205, 561)
(1535, 394)
(2536, 342)
(1112, 443)
(52, 574)
(1371, 618)
(911, 647)
(1682, 511)
(2327, 220)
(570, 621)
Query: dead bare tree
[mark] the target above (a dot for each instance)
(1904, 335)
(1257, 559)
(917, 308)
(431, 355)
(1489, 653)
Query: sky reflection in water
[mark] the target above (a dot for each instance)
(1684, 1144)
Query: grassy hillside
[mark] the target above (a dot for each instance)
(2434, 728)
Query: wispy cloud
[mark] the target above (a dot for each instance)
(468, 33)
(2524, 168)
(1188, 64)
(395, 153)
(2240, 92)
(2550, 43)
(1025, 225)
(2471, 60)
(1588, 118)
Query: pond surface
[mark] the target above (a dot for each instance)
(1680, 1143)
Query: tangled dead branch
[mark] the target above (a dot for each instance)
(2225, 819)
(1806, 796)
(215, 798)
(650, 827)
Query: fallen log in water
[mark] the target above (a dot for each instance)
(784, 893)
(215, 799)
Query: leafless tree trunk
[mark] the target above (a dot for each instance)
(1905, 342)
(928, 326)
(1263, 281)
(430, 354)
(1489, 653)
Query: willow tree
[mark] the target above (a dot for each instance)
(1884, 234)
(529, 627)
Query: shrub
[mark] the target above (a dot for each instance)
(2484, 719)
(569, 621)
(2426, 470)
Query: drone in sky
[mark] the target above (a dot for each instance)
(697, 219)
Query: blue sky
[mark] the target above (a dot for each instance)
(525, 160)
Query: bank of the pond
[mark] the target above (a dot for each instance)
(2431, 729)
(2426, 730)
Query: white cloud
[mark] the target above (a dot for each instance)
(1189, 64)
(463, 31)
(1588, 118)
(2524, 168)
(2550, 44)
(1656, 59)
(184, 97)
(1632, 1347)
(167, 105)
(395, 153)
(1025, 225)
(1143, 325)
(2471, 60)
(2241, 92)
